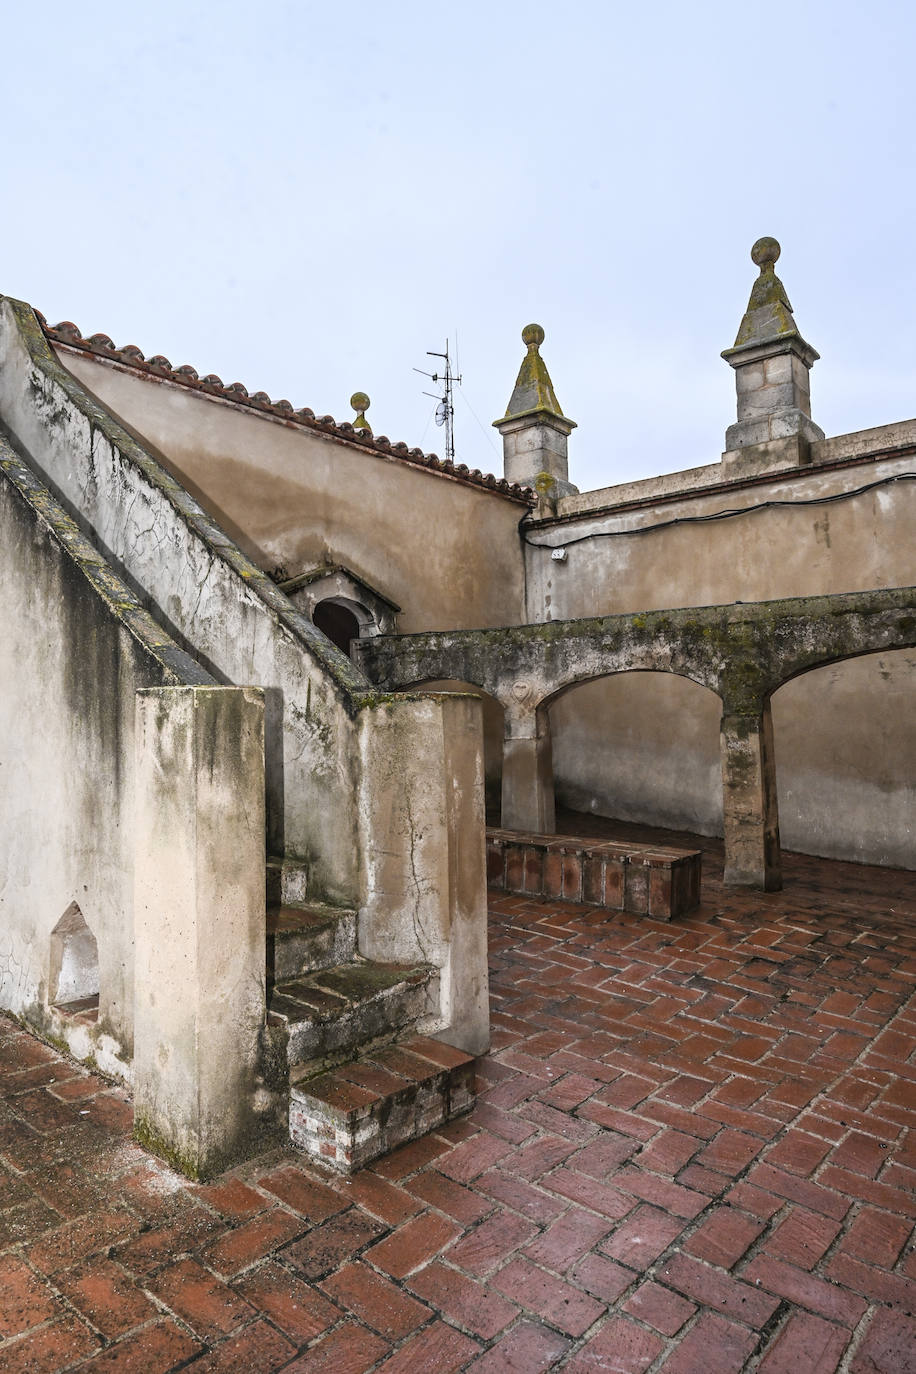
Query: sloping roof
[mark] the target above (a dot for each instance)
(68, 334)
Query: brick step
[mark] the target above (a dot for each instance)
(386, 1097)
(303, 939)
(642, 878)
(287, 881)
(334, 1012)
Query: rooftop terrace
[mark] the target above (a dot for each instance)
(694, 1151)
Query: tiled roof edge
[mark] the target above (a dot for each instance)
(69, 334)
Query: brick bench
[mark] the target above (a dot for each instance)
(617, 876)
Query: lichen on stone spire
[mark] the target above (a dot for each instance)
(533, 388)
(360, 403)
(768, 314)
(772, 363)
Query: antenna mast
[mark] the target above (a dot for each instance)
(445, 410)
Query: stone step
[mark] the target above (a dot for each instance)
(390, 1095)
(287, 881)
(334, 1012)
(303, 939)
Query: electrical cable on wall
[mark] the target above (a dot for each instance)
(723, 514)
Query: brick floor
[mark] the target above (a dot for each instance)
(694, 1151)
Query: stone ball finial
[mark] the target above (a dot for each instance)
(360, 403)
(533, 335)
(765, 251)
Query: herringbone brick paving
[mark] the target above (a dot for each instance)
(694, 1151)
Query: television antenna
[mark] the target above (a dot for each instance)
(445, 410)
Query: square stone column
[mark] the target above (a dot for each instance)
(423, 852)
(527, 791)
(774, 396)
(749, 807)
(533, 444)
(199, 923)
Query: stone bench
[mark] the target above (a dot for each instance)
(617, 876)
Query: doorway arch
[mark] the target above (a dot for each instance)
(339, 620)
(845, 749)
(640, 746)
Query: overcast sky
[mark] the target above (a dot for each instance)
(307, 196)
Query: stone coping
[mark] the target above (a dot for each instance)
(68, 335)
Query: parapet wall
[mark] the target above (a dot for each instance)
(753, 527)
(296, 495)
(199, 585)
(324, 805)
(76, 647)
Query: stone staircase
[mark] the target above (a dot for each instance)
(362, 1078)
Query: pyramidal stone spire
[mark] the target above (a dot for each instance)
(772, 362)
(534, 429)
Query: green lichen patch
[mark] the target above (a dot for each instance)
(183, 1161)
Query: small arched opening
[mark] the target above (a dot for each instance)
(339, 620)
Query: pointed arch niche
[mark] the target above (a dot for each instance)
(74, 960)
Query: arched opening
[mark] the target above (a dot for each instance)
(338, 621)
(641, 747)
(845, 746)
(74, 960)
(492, 739)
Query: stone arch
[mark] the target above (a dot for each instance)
(644, 659)
(845, 750)
(74, 968)
(341, 604)
(341, 619)
(639, 745)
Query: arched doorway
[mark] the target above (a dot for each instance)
(335, 619)
(845, 747)
(642, 747)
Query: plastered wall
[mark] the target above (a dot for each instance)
(647, 749)
(641, 747)
(446, 552)
(70, 669)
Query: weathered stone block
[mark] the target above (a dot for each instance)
(336, 1011)
(496, 865)
(199, 922)
(636, 893)
(553, 873)
(778, 369)
(593, 880)
(572, 876)
(533, 877)
(515, 869)
(614, 883)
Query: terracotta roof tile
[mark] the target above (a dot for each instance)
(130, 356)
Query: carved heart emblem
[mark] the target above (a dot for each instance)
(521, 691)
